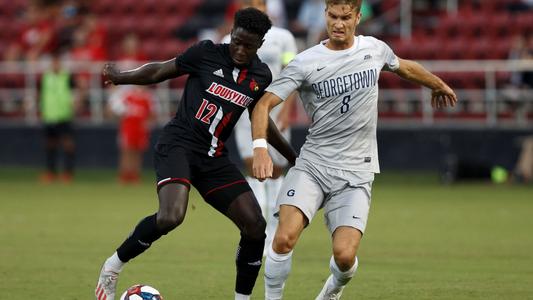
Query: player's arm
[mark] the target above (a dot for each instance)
(441, 94)
(149, 73)
(263, 129)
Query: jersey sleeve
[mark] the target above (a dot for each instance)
(188, 61)
(390, 60)
(290, 79)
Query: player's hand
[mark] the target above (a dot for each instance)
(443, 97)
(110, 74)
(262, 164)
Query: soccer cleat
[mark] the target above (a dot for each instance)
(329, 293)
(107, 285)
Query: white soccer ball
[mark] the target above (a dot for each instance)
(141, 292)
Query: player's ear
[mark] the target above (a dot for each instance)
(358, 18)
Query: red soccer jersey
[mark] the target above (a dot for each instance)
(137, 108)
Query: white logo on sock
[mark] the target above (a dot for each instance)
(255, 263)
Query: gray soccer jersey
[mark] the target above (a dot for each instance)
(339, 90)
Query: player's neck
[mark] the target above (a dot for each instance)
(340, 45)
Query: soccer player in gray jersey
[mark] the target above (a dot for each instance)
(337, 82)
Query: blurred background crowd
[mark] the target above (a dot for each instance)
(483, 49)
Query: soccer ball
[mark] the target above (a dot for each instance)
(141, 292)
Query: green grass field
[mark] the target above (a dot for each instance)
(423, 241)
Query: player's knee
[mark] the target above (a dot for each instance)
(344, 258)
(284, 242)
(255, 229)
(168, 221)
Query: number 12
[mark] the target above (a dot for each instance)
(212, 109)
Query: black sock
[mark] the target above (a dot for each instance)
(142, 237)
(51, 159)
(249, 256)
(69, 162)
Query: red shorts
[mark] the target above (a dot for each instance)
(134, 139)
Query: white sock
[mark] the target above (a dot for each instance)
(272, 189)
(277, 268)
(113, 263)
(241, 297)
(259, 190)
(338, 278)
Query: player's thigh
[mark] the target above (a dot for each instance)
(219, 182)
(301, 190)
(348, 207)
(172, 168)
(245, 213)
(292, 222)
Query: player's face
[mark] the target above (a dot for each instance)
(341, 21)
(243, 46)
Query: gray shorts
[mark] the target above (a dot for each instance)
(345, 195)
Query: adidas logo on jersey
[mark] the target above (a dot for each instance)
(368, 56)
(219, 73)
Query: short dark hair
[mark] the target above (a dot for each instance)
(252, 20)
(355, 4)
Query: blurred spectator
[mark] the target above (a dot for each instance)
(57, 103)
(70, 19)
(311, 22)
(521, 82)
(524, 166)
(522, 49)
(83, 55)
(276, 12)
(96, 36)
(134, 106)
(37, 37)
(131, 54)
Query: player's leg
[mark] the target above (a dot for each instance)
(299, 199)
(243, 140)
(278, 260)
(69, 148)
(51, 145)
(346, 215)
(172, 168)
(126, 141)
(227, 191)
(245, 212)
(343, 264)
(272, 187)
(524, 165)
(173, 199)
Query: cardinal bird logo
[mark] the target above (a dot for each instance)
(254, 86)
